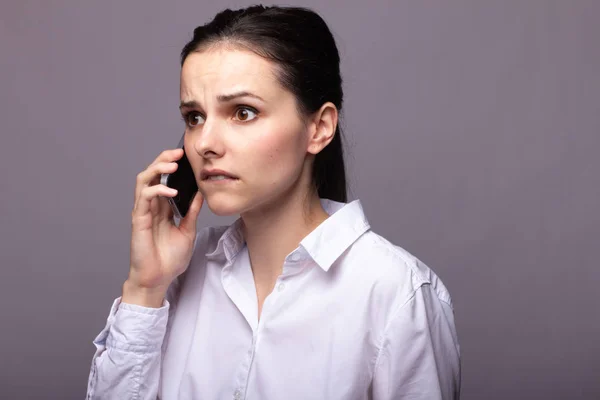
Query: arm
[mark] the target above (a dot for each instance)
(419, 357)
(127, 361)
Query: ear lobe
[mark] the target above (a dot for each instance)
(325, 122)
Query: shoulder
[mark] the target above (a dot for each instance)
(397, 274)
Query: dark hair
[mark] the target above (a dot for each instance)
(300, 43)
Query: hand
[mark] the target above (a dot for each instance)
(160, 250)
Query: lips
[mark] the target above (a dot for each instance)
(205, 174)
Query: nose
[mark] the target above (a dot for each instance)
(208, 143)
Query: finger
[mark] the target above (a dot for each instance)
(151, 176)
(166, 156)
(165, 212)
(154, 206)
(164, 207)
(169, 155)
(188, 223)
(143, 205)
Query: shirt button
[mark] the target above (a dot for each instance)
(237, 395)
(295, 257)
(280, 287)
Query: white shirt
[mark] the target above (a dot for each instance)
(352, 316)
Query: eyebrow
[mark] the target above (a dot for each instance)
(222, 98)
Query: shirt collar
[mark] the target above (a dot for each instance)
(325, 244)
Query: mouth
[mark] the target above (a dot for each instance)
(219, 179)
(216, 175)
(211, 179)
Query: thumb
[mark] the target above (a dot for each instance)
(188, 223)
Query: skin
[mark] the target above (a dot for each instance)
(265, 142)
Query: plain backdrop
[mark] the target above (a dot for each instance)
(472, 132)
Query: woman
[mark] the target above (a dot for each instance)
(298, 299)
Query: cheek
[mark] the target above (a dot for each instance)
(277, 153)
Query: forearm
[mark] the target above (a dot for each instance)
(128, 356)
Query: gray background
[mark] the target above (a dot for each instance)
(472, 130)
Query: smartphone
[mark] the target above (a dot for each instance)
(184, 181)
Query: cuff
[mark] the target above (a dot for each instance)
(136, 328)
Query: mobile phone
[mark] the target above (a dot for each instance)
(184, 181)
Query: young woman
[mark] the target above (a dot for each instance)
(298, 299)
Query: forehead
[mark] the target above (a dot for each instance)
(222, 70)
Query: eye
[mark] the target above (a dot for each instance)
(193, 118)
(245, 113)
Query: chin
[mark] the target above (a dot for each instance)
(223, 205)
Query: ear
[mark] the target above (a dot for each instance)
(324, 123)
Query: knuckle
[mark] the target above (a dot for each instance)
(145, 192)
(159, 167)
(151, 191)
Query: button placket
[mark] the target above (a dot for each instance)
(252, 347)
(237, 395)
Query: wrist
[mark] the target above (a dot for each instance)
(143, 296)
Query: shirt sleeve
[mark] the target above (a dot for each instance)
(126, 364)
(419, 357)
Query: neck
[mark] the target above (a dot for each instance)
(274, 231)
